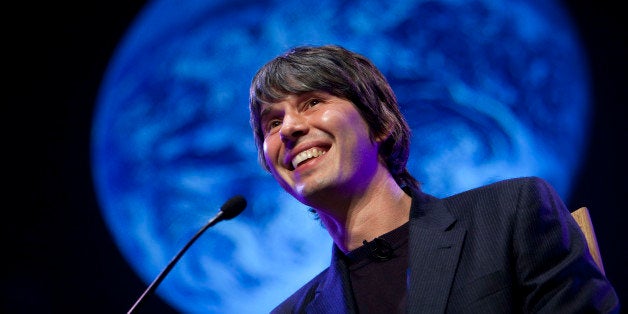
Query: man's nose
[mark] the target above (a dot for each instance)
(293, 126)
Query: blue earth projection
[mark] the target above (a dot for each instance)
(492, 90)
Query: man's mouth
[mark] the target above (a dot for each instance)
(306, 155)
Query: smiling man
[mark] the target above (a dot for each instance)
(329, 130)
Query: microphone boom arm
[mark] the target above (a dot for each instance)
(230, 209)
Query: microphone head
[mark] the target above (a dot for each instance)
(233, 207)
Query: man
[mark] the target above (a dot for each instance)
(329, 130)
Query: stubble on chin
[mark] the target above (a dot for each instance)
(311, 192)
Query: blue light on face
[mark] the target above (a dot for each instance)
(491, 90)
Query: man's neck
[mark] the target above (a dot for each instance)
(383, 207)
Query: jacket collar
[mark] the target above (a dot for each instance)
(435, 246)
(333, 294)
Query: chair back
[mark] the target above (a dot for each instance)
(581, 215)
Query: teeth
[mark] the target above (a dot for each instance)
(305, 155)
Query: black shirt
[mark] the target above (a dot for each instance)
(378, 272)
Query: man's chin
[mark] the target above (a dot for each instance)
(312, 194)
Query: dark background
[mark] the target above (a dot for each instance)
(58, 253)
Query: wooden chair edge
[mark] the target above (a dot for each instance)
(582, 217)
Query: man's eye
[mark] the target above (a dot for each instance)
(313, 102)
(271, 125)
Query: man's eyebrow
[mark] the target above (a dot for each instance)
(265, 111)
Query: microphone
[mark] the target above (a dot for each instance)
(230, 209)
(379, 249)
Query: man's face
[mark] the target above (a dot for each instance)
(318, 146)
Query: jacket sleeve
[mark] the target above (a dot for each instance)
(554, 267)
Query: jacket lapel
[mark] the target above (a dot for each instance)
(435, 245)
(332, 295)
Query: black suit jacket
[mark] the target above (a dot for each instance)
(508, 247)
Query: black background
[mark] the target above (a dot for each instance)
(58, 254)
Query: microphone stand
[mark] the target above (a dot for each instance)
(230, 209)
